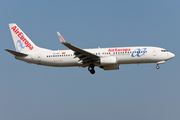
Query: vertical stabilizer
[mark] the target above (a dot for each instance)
(22, 43)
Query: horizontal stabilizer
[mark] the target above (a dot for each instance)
(16, 53)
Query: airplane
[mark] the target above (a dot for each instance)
(105, 58)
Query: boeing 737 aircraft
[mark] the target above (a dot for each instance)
(105, 58)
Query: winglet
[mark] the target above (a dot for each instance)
(61, 38)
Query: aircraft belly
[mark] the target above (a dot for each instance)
(66, 62)
(59, 62)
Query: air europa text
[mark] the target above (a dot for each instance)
(117, 50)
(21, 36)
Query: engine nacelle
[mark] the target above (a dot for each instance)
(108, 61)
(111, 67)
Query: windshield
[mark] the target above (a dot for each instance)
(164, 50)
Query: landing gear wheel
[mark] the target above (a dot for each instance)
(92, 71)
(91, 68)
(157, 67)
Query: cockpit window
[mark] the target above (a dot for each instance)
(164, 50)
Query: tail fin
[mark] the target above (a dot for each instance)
(22, 43)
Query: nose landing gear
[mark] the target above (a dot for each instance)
(91, 68)
(161, 62)
(157, 67)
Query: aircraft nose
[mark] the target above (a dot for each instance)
(172, 55)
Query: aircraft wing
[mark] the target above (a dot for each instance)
(84, 56)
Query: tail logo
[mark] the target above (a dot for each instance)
(22, 39)
(20, 45)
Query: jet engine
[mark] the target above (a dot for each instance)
(108, 61)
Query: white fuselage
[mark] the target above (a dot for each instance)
(123, 55)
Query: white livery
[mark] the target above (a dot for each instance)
(105, 58)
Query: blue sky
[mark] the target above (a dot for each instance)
(138, 92)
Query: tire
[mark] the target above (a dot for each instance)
(157, 67)
(89, 68)
(92, 71)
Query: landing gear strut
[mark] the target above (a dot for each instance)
(91, 68)
(161, 62)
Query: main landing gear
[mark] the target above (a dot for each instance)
(91, 69)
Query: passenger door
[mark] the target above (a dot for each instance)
(154, 52)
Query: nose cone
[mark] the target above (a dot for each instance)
(171, 55)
